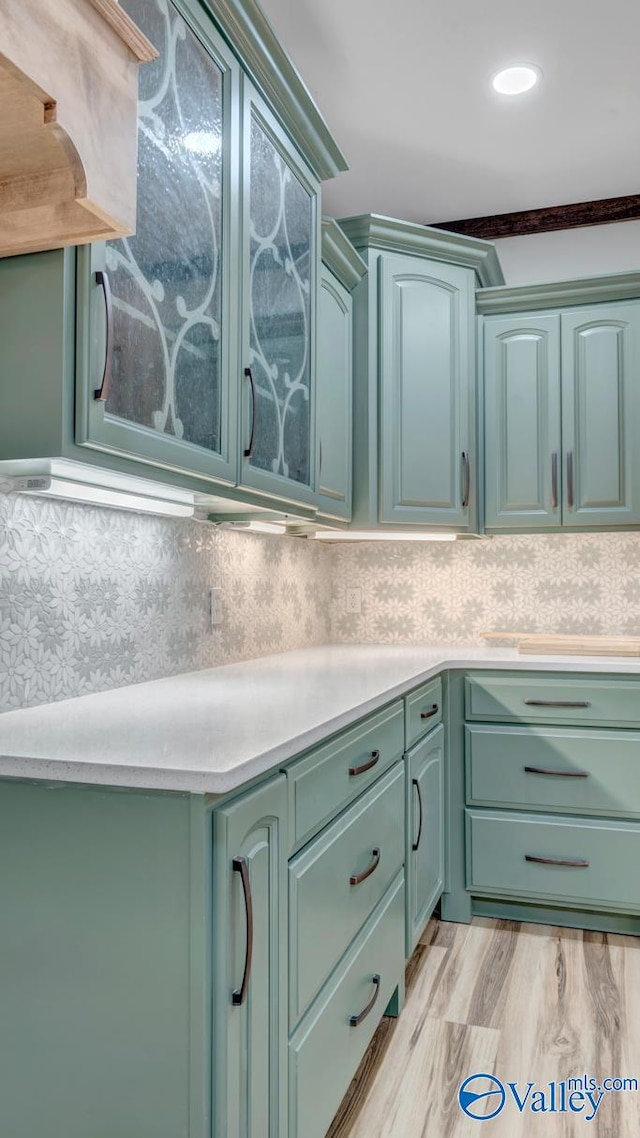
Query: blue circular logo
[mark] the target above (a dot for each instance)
(475, 1091)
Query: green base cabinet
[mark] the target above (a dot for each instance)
(325, 1050)
(104, 957)
(424, 857)
(561, 401)
(250, 964)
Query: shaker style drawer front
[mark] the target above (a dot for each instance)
(575, 862)
(325, 1051)
(553, 699)
(583, 771)
(423, 711)
(336, 882)
(325, 781)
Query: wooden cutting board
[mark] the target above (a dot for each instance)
(530, 643)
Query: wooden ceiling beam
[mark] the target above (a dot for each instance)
(545, 220)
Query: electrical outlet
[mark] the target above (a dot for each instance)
(353, 600)
(215, 607)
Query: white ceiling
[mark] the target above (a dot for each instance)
(405, 88)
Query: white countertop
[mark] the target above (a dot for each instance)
(213, 730)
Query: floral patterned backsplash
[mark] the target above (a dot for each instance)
(453, 592)
(96, 598)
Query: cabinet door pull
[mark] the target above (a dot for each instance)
(101, 393)
(557, 703)
(375, 757)
(556, 773)
(358, 878)
(240, 866)
(554, 480)
(414, 782)
(354, 1021)
(570, 479)
(248, 450)
(573, 862)
(430, 713)
(466, 479)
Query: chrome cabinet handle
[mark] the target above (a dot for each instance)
(430, 713)
(354, 1021)
(554, 480)
(101, 393)
(555, 773)
(248, 450)
(557, 703)
(570, 479)
(240, 866)
(358, 878)
(375, 758)
(572, 862)
(466, 479)
(416, 844)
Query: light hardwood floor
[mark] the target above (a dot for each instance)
(528, 1003)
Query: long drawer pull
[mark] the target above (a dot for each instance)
(557, 703)
(555, 773)
(416, 844)
(375, 758)
(430, 713)
(358, 878)
(355, 1021)
(573, 862)
(239, 995)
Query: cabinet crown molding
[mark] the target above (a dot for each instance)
(395, 236)
(554, 294)
(249, 33)
(340, 256)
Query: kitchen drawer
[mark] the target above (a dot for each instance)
(326, 908)
(326, 1050)
(329, 778)
(553, 699)
(498, 844)
(422, 711)
(497, 759)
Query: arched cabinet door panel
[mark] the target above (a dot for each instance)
(522, 444)
(601, 415)
(427, 381)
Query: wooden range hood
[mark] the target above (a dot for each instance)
(68, 122)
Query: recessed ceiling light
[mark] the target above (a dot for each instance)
(516, 80)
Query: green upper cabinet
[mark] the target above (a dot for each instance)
(561, 407)
(601, 415)
(415, 374)
(157, 375)
(186, 354)
(522, 421)
(427, 382)
(280, 265)
(341, 270)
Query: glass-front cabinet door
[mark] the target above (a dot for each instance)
(281, 243)
(158, 323)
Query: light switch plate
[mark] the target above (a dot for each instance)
(215, 607)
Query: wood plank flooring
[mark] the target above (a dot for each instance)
(528, 1003)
